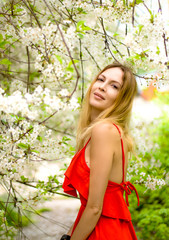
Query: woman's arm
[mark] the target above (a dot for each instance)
(70, 230)
(104, 141)
(86, 224)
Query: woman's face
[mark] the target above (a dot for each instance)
(107, 85)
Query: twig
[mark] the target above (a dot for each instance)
(44, 217)
(106, 40)
(82, 70)
(9, 15)
(159, 3)
(28, 76)
(9, 193)
(146, 7)
(69, 53)
(33, 13)
(22, 135)
(116, 48)
(62, 194)
(92, 58)
(133, 13)
(165, 45)
(11, 58)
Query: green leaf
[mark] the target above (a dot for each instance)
(81, 10)
(1, 139)
(64, 138)
(39, 138)
(33, 150)
(19, 10)
(31, 129)
(135, 2)
(80, 35)
(13, 170)
(1, 37)
(158, 50)
(70, 69)
(3, 122)
(82, 27)
(79, 24)
(151, 18)
(2, 44)
(140, 26)
(5, 61)
(115, 34)
(59, 59)
(79, 100)
(24, 179)
(23, 145)
(17, 117)
(139, 1)
(70, 63)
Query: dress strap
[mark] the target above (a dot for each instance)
(126, 186)
(87, 142)
(123, 156)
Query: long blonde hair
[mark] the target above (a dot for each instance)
(119, 113)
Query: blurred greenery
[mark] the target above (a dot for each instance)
(10, 216)
(151, 218)
(12, 213)
(162, 97)
(13, 218)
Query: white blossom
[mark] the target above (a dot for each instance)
(63, 92)
(73, 103)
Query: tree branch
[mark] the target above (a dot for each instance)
(69, 53)
(28, 76)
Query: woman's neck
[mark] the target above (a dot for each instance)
(94, 114)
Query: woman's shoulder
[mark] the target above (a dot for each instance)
(106, 129)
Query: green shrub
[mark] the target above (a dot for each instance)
(151, 218)
(11, 217)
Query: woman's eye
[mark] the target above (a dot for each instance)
(100, 79)
(115, 86)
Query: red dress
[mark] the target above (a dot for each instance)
(115, 220)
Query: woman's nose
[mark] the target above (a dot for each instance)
(102, 86)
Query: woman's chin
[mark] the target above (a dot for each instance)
(96, 107)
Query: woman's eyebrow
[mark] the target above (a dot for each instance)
(111, 79)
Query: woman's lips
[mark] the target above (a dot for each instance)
(99, 96)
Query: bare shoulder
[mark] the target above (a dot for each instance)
(105, 130)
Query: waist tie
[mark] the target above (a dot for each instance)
(128, 188)
(83, 200)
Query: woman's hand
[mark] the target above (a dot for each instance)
(65, 237)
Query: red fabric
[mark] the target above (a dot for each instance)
(115, 220)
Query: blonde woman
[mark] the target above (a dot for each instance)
(99, 168)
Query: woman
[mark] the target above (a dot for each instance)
(98, 170)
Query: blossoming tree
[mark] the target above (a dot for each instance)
(49, 52)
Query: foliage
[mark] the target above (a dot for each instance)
(11, 218)
(152, 216)
(162, 98)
